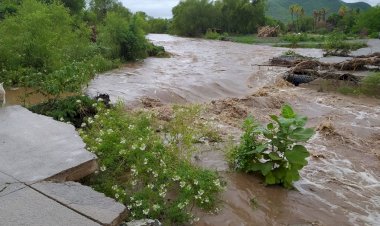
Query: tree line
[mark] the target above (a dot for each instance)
(194, 17)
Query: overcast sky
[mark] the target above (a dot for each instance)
(163, 8)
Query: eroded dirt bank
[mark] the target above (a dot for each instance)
(341, 184)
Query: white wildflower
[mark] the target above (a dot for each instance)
(138, 203)
(142, 147)
(217, 182)
(134, 147)
(123, 141)
(79, 101)
(156, 207)
(96, 116)
(176, 178)
(201, 192)
(196, 182)
(181, 205)
(182, 184)
(134, 182)
(116, 195)
(83, 125)
(103, 168)
(61, 119)
(155, 174)
(146, 211)
(145, 161)
(150, 186)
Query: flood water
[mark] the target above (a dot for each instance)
(341, 184)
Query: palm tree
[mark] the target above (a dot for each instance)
(292, 10)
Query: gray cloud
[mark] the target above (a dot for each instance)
(163, 8)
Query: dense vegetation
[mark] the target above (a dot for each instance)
(279, 9)
(194, 17)
(58, 46)
(151, 172)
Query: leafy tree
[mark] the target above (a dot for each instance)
(369, 20)
(194, 17)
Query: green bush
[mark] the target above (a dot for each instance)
(144, 170)
(335, 44)
(370, 85)
(72, 109)
(156, 51)
(274, 151)
(210, 34)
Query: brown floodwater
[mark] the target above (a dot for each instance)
(341, 183)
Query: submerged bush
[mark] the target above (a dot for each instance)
(274, 151)
(144, 170)
(72, 109)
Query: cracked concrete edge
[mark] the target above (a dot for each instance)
(76, 173)
(116, 221)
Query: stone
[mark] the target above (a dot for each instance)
(29, 207)
(85, 200)
(35, 147)
(143, 222)
(9, 185)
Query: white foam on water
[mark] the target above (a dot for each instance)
(357, 188)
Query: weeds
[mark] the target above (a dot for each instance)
(143, 170)
(274, 151)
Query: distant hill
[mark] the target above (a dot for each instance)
(279, 9)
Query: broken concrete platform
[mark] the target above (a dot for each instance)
(35, 147)
(85, 200)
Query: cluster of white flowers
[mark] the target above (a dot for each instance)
(131, 127)
(143, 147)
(99, 140)
(123, 140)
(182, 184)
(79, 101)
(96, 116)
(176, 178)
(109, 131)
(217, 183)
(90, 120)
(123, 152)
(146, 211)
(150, 186)
(83, 125)
(156, 207)
(103, 168)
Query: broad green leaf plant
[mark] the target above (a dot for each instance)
(274, 151)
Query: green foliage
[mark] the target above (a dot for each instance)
(157, 51)
(142, 168)
(369, 20)
(72, 109)
(122, 39)
(335, 44)
(279, 9)
(274, 151)
(370, 85)
(210, 34)
(194, 17)
(159, 26)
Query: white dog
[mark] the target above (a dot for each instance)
(2, 94)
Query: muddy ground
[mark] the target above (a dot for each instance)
(340, 185)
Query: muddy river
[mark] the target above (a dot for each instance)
(340, 185)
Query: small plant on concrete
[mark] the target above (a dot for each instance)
(274, 151)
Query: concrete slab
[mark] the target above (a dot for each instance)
(9, 185)
(28, 207)
(85, 200)
(35, 147)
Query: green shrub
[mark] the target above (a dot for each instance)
(142, 169)
(370, 85)
(274, 151)
(72, 109)
(156, 51)
(210, 34)
(335, 44)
